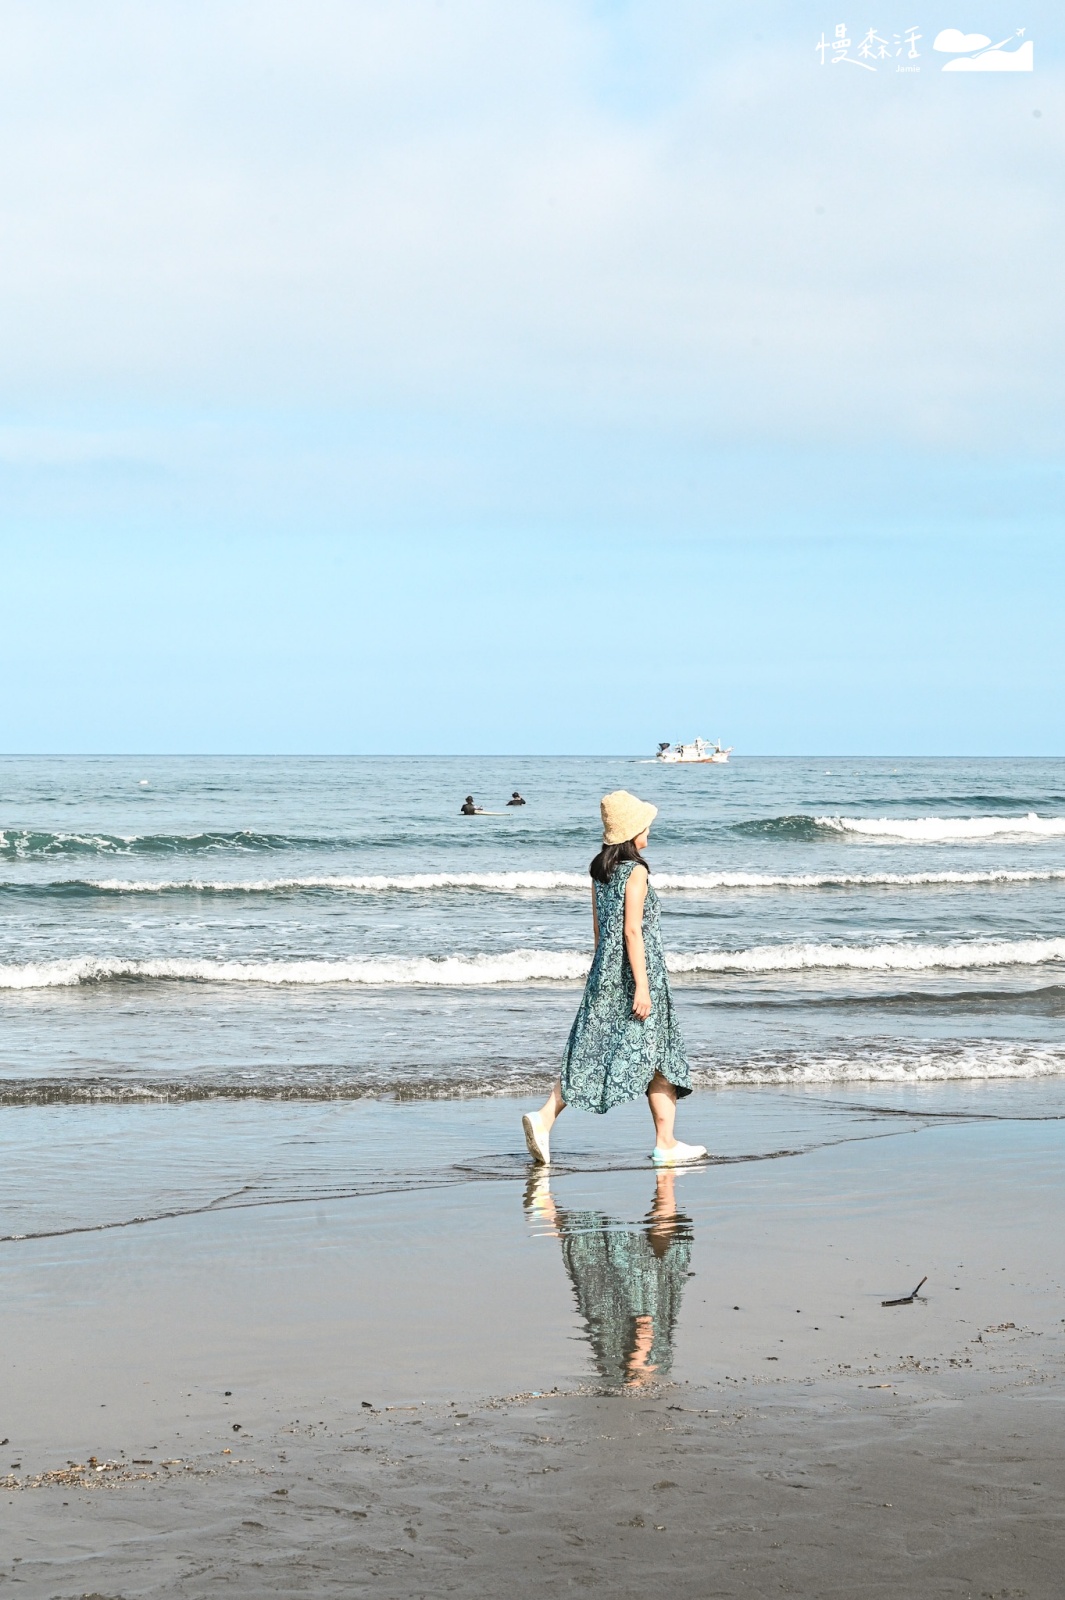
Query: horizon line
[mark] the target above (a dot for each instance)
(467, 755)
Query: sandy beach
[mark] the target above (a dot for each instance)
(398, 1392)
(811, 1489)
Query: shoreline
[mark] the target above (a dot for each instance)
(75, 1166)
(239, 1345)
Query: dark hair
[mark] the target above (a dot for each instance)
(611, 856)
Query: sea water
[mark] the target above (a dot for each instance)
(223, 934)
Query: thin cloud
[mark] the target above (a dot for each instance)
(477, 210)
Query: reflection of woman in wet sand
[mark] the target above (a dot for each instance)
(628, 1283)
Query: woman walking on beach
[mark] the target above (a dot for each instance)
(625, 1040)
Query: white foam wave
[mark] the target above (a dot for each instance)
(515, 966)
(883, 1061)
(22, 839)
(967, 955)
(546, 883)
(406, 882)
(530, 966)
(981, 1061)
(936, 830)
(849, 880)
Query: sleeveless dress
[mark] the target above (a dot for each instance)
(611, 1056)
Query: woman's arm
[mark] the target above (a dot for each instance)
(595, 922)
(635, 895)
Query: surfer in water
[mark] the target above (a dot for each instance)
(515, 799)
(468, 809)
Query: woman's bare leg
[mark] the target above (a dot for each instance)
(537, 1125)
(662, 1098)
(552, 1107)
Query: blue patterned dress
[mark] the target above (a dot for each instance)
(611, 1056)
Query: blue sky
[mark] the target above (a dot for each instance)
(451, 376)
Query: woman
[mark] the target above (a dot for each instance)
(625, 1040)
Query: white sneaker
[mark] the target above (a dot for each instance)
(679, 1154)
(537, 1138)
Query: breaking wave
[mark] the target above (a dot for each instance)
(28, 844)
(937, 830)
(377, 883)
(914, 830)
(526, 883)
(968, 955)
(877, 1062)
(790, 827)
(974, 1061)
(532, 966)
(516, 966)
(25, 844)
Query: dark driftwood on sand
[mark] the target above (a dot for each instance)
(906, 1299)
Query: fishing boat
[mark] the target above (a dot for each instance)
(698, 751)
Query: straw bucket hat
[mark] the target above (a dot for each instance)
(625, 817)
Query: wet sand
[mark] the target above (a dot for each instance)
(792, 1435)
(806, 1492)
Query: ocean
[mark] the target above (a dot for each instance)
(225, 935)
